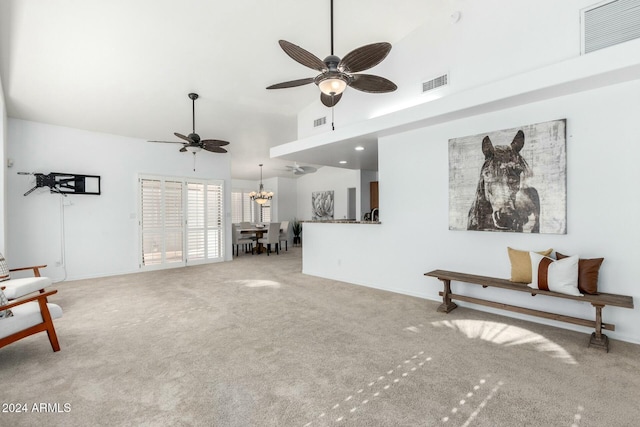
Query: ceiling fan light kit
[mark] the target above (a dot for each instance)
(337, 74)
(332, 86)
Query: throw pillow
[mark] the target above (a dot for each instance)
(4, 269)
(588, 271)
(4, 301)
(558, 276)
(521, 264)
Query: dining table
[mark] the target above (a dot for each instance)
(259, 233)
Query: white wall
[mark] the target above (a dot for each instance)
(494, 39)
(327, 179)
(3, 175)
(101, 232)
(602, 203)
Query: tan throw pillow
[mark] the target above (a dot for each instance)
(588, 271)
(521, 264)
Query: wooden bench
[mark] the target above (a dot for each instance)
(598, 339)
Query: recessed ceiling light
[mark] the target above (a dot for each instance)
(343, 162)
(359, 148)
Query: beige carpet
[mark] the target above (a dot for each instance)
(254, 342)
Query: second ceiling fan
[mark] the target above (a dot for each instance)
(336, 74)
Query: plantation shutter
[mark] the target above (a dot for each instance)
(247, 207)
(241, 207)
(204, 221)
(237, 212)
(161, 221)
(180, 221)
(215, 235)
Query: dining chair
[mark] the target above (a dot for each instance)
(284, 234)
(273, 237)
(238, 239)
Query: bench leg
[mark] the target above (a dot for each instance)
(598, 339)
(447, 305)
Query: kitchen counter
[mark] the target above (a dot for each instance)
(341, 221)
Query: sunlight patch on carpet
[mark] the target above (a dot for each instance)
(459, 409)
(507, 335)
(375, 389)
(258, 283)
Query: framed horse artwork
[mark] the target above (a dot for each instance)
(511, 180)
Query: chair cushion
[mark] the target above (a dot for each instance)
(25, 316)
(23, 286)
(4, 301)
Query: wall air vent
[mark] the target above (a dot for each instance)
(435, 83)
(319, 122)
(610, 23)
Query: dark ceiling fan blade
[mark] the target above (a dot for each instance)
(183, 149)
(372, 84)
(215, 149)
(214, 142)
(186, 138)
(302, 56)
(329, 100)
(364, 57)
(168, 142)
(292, 83)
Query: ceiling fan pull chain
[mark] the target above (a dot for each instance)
(332, 114)
(194, 161)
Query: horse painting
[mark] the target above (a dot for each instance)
(503, 202)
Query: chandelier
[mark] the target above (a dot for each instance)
(261, 197)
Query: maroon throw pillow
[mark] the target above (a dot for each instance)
(588, 270)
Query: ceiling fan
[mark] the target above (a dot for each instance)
(193, 142)
(300, 170)
(336, 74)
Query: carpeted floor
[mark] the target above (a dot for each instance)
(254, 342)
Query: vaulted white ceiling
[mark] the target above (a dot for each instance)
(126, 67)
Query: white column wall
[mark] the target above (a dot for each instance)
(602, 203)
(101, 232)
(3, 175)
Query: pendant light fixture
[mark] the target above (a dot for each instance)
(261, 197)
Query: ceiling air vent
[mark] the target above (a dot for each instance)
(435, 83)
(609, 24)
(319, 122)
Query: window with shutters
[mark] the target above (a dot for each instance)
(265, 213)
(181, 221)
(242, 209)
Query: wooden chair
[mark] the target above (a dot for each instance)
(17, 287)
(30, 316)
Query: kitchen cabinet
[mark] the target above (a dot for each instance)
(373, 195)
